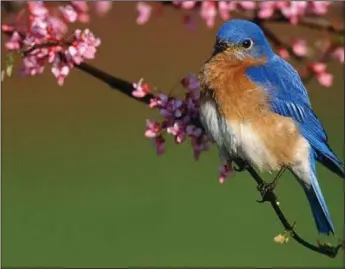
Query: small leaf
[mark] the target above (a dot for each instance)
(9, 62)
(9, 69)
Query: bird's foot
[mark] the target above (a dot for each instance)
(240, 165)
(266, 191)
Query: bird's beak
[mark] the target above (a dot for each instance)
(222, 46)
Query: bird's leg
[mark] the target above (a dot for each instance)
(240, 165)
(265, 188)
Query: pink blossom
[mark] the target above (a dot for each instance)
(82, 10)
(159, 101)
(325, 79)
(185, 4)
(338, 53)
(60, 70)
(225, 171)
(31, 65)
(188, 4)
(39, 27)
(199, 145)
(284, 53)
(177, 130)
(208, 12)
(69, 13)
(29, 42)
(83, 47)
(223, 8)
(140, 89)
(318, 67)
(81, 6)
(87, 37)
(7, 28)
(14, 42)
(84, 17)
(179, 116)
(144, 11)
(103, 7)
(248, 5)
(266, 9)
(294, 10)
(299, 47)
(159, 143)
(319, 7)
(43, 28)
(58, 26)
(37, 9)
(73, 54)
(232, 5)
(152, 129)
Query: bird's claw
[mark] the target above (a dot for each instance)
(240, 166)
(266, 190)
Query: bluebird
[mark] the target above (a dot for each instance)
(256, 109)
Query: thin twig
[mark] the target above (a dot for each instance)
(316, 23)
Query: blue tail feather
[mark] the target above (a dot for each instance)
(317, 203)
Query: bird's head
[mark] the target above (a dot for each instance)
(242, 40)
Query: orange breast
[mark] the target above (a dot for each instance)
(242, 102)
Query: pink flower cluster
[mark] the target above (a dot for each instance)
(178, 116)
(144, 12)
(179, 120)
(338, 53)
(79, 10)
(292, 10)
(42, 42)
(299, 47)
(225, 171)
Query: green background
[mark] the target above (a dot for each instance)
(82, 187)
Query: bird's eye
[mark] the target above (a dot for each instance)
(247, 44)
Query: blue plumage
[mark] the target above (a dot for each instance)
(287, 97)
(317, 202)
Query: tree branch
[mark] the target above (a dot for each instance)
(126, 88)
(118, 84)
(316, 23)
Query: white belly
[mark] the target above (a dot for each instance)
(235, 140)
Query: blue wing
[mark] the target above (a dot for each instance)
(289, 98)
